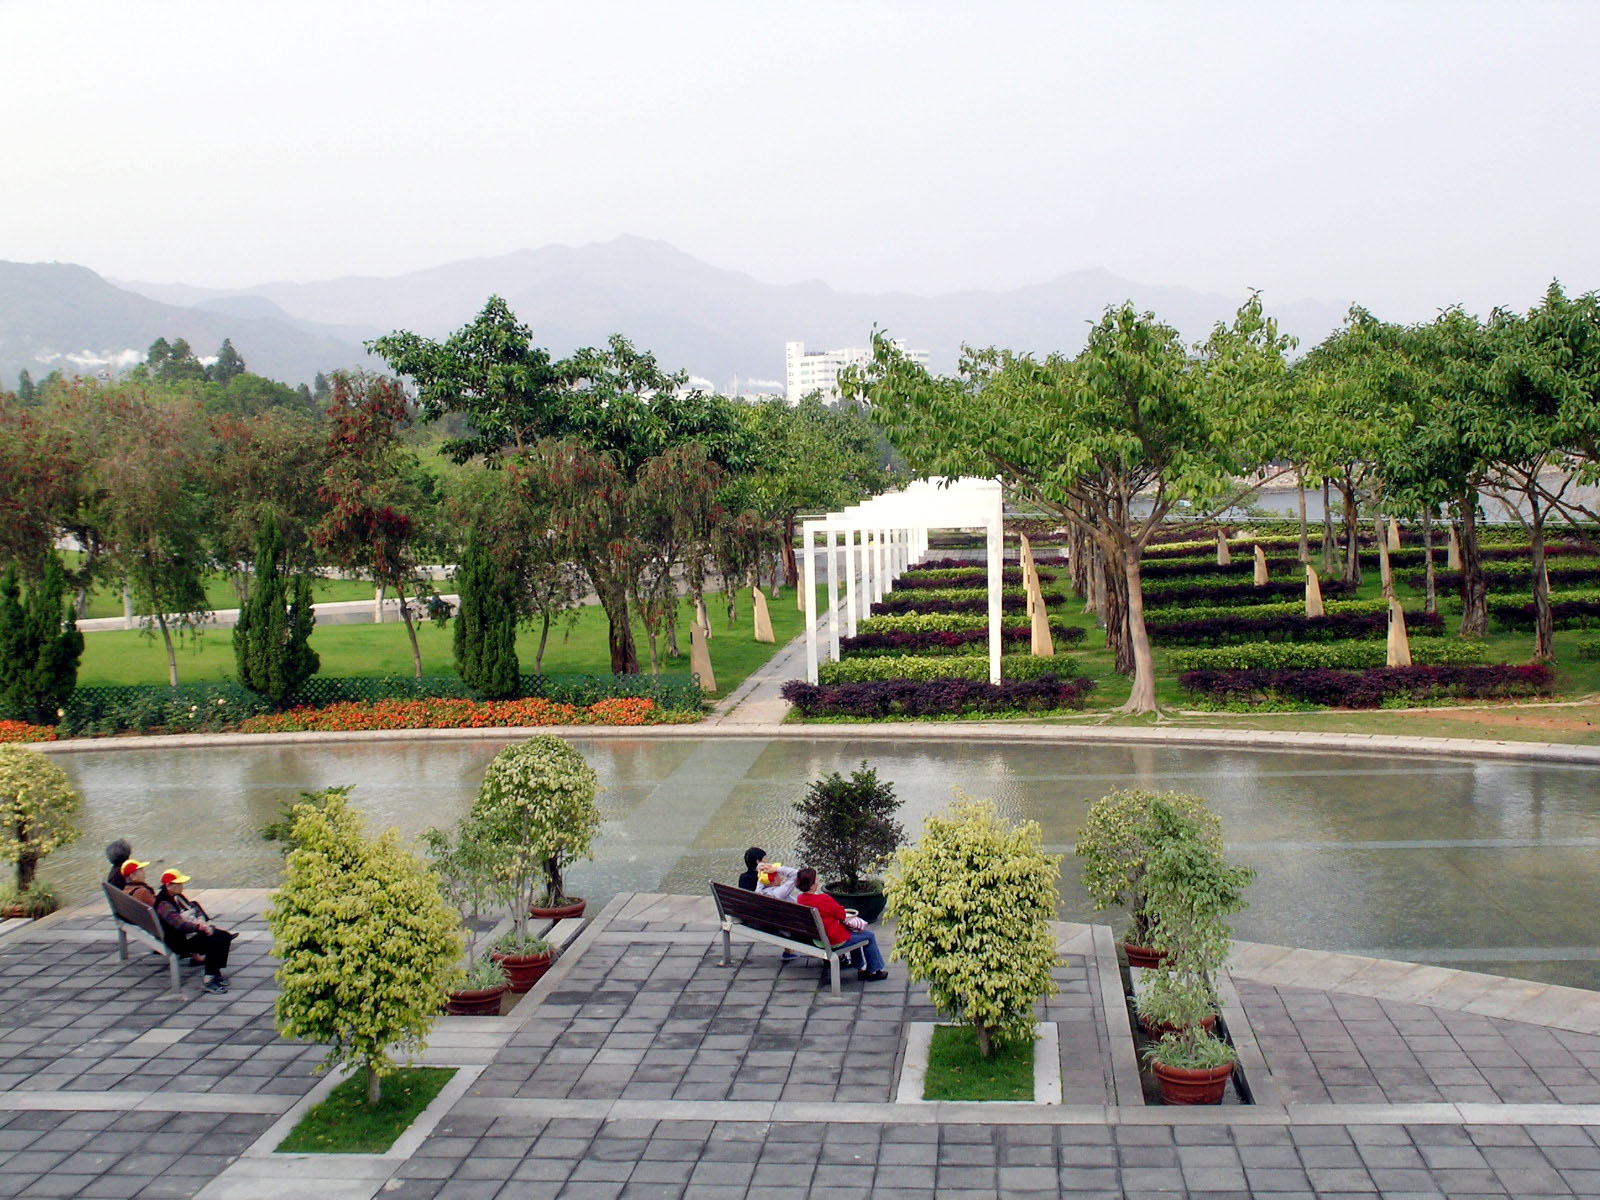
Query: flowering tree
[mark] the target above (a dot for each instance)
(974, 900)
(367, 945)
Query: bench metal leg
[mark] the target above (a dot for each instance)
(122, 944)
(727, 947)
(177, 978)
(833, 969)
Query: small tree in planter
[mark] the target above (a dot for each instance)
(464, 866)
(1190, 891)
(38, 814)
(366, 944)
(847, 831)
(1114, 846)
(536, 810)
(974, 900)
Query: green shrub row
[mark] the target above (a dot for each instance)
(937, 622)
(923, 667)
(1278, 655)
(1586, 649)
(1285, 608)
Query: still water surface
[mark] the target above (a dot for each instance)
(1483, 866)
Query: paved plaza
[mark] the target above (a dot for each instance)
(640, 1067)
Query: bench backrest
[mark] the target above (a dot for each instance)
(797, 921)
(125, 908)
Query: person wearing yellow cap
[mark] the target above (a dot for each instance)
(133, 881)
(190, 930)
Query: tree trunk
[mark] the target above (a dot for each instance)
(1474, 588)
(624, 654)
(985, 1039)
(411, 629)
(655, 657)
(1352, 532)
(374, 1087)
(1114, 608)
(172, 654)
(791, 569)
(1430, 603)
(1327, 529)
(1078, 556)
(27, 862)
(555, 886)
(672, 628)
(1305, 539)
(1544, 638)
(1143, 697)
(544, 638)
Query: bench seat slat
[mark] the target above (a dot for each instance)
(792, 926)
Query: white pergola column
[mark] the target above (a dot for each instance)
(833, 598)
(996, 548)
(850, 579)
(809, 604)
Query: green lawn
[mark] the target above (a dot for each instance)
(956, 1071)
(343, 1124)
(377, 651)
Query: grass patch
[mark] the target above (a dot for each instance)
(343, 1124)
(956, 1071)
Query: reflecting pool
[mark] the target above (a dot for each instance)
(1483, 866)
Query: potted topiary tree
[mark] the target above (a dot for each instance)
(1114, 847)
(38, 814)
(1189, 891)
(973, 901)
(536, 813)
(464, 865)
(847, 830)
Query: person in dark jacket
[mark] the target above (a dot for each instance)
(189, 928)
(117, 852)
(134, 883)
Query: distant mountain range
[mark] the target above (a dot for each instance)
(715, 323)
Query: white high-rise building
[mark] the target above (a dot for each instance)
(819, 370)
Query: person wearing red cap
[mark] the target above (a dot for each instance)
(190, 930)
(133, 882)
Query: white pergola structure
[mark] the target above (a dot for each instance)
(893, 535)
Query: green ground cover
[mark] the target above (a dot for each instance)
(343, 1124)
(120, 657)
(956, 1071)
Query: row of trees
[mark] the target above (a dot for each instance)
(599, 471)
(1418, 422)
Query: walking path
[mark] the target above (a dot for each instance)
(640, 1067)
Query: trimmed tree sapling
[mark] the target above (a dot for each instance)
(847, 828)
(38, 812)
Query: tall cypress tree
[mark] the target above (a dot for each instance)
(485, 635)
(40, 646)
(271, 642)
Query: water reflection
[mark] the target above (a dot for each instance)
(1488, 866)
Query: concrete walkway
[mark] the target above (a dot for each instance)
(641, 1067)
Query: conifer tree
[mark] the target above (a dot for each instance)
(271, 642)
(39, 646)
(485, 635)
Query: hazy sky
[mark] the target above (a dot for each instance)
(1407, 155)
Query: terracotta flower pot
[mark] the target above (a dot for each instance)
(1156, 1030)
(1143, 956)
(475, 1002)
(572, 908)
(524, 970)
(1180, 1085)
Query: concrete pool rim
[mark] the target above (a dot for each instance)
(1367, 744)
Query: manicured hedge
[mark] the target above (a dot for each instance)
(941, 697)
(1515, 578)
(1302, 655)
(1586, 650)
(955, 641)
(1239, 593)
(946, 666)
(1572, 612)
(956, 600)
(967, 577)
(1369, 689)
(1334, 627)
(1283, 608)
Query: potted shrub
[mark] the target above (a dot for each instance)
(38, 814)
(536, 807)
(1189, 892)
(1114, 845)
(464, 866)
(847, 831)
(523, 957)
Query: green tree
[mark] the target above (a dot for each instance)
(26, 392)
(40, 646)
(229, 364)
(272, 639)
(38, 811)
(485, 631)
(974, 900)
(366, 944)
(267, 467)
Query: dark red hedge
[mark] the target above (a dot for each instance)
(935, 697)
(911, 642)
(1370, 688)
(1334, 627)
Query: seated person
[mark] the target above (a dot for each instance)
(189, 929)
(842, 929)
(767, 879)
(133, 882)
(117, 853)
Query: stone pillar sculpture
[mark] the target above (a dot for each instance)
(1224, 555)
(1314, 607)
(1261, 567)
(1394, 534)
(1399, 644)
(1452, 554)
(700, 657)
(763, 618)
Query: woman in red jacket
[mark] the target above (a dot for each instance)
(842, 929)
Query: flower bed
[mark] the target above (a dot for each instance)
(942, 697)
(21, 731)
(1370, 689)
(447, 713)
(1334, 627)
(1281, 608)
(1278, 655)
(945, 641)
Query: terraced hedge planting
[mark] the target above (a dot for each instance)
(972, 577)
(1244, 592)
(1510, 578)
(1370, 689)
(954, 641)
(1303, 655)
(1581, 611)
(1334, 627)
(935, 698)
(956, 600)
(946, 666)
(1282, 608)
(967, 566)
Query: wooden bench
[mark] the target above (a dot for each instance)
(783, 923)
(132, 917)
